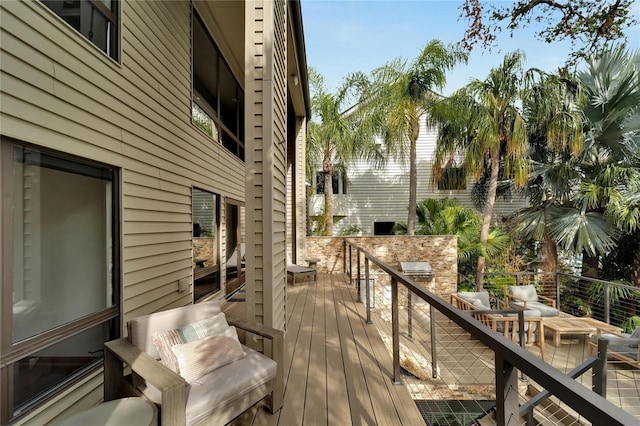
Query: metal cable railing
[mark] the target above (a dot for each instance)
(508, 357)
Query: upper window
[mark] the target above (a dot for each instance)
(60, 273)
(453, 178)
(97, 20)
(338, 183)
(218, 98)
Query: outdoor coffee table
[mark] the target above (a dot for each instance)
(568, 325)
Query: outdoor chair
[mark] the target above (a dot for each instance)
(526, 297)
(503, 321)
(624, 347)
(173, 356)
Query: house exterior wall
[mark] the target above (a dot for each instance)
(60, 92)
(382, 195)
(265, 91)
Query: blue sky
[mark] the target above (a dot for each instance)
(344, 36)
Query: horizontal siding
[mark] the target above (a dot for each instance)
(382, 195)
(60, 92)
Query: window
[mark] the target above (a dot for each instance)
(383, 228)
(205, 208)
(97, 20)
(453, 178)
(338, 183)
(60, 273)
(218, 98)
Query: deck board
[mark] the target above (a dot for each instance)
(337, 369)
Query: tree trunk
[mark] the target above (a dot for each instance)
(327, 168)
(635, 273)
(413, 183)
(487, 212)
(549, 264)
(590, 265)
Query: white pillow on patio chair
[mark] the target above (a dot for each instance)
(212, 396)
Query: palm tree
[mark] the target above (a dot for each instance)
(401, 93)
(481, 126)
(336, 136)
(588, 183)
(447, 216)
(555, 133)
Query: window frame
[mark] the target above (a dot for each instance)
(12, 352)
(111, 16)
(338, 179)
(207, 272)
(222, 133)
(453, 179)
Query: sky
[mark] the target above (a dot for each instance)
(344, 36)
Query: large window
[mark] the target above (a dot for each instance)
(338, 183)
(218, 98)
(205, 208)
(97, 20)
(60, 268)
(453, 178)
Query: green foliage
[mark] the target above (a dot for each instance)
(630, 324)
(351, 230)
(447, 216)
(588, 24)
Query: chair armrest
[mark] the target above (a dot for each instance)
(508, 296)
(548, 299)
(277, 354)
(171, 385)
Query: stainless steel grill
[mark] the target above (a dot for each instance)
(417, 271)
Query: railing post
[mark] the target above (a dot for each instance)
(599, 379)
(517, 278)
(409, 315)
(350, 265)
(344, 256)
(507, 409)
(607, 302)
(434, 358)
(367, 288)
(395, 326)
(358, 284)
(557, 290)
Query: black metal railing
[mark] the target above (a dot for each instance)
(509, 358)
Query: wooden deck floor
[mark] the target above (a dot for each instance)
(337, 368)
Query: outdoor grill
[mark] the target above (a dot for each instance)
(417, 271)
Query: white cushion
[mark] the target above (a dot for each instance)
(222, 386)
(165, 340)
(142, 329)
(200, 357)
(525, 292)
(472, 296)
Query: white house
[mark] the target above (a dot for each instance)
(373, 200)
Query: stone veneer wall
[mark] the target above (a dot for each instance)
(440, 251)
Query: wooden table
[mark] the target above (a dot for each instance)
(569, 325)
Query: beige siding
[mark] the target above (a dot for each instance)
(266, 157)
(59, 91)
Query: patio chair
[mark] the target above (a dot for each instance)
(195, 394)
(502, 321)
(624, 347)
(526, 297)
